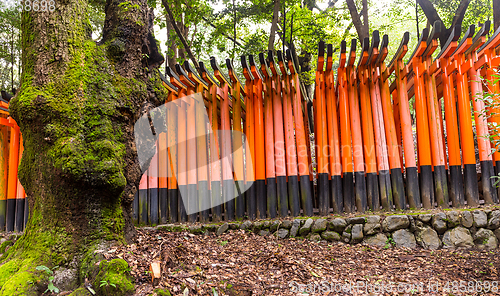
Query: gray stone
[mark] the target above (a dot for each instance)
(223, 228)
(356, 233)
(195, 229)
(266, 224)
(372, 225)
(319, 226)
(246, 225)
(457, 237)
(497, 233)
(396, 222)
(287, 224)
(378, 240)
(337, 225)
(370, 229)
(480, 219)
(412, 223)
(485, 239)
(494, 222)
(404, 238)
(346, 235)
(257, 225)
(419, 223)
(65, 279)
(425, 217)
(263, 232)
(314, 237)
(453, 219)
(466, 219)
(427, 238)
(355, 220)
(439, 222)
(234, 226)
(330, 236)
(295, 228)
(306, 228)
(282, 233)
(274, 226)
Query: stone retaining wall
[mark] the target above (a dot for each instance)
(450, 229)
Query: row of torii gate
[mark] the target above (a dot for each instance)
(363, 154)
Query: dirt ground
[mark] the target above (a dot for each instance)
(243, 263)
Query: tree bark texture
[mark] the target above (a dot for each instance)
(76, 109)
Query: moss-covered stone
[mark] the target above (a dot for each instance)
(81, 292)
(114, 278)
(162, 292)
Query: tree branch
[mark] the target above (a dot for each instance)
(460, 13)
(429, 11)
(181, 37)
(356, 19)
(223, 34)
(274, 24)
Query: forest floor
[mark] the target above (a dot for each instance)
(243, 263)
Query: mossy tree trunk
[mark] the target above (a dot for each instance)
(76, 108)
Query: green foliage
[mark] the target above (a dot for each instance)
(50, 288)
(10, 46)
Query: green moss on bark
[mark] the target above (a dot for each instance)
(114, 278)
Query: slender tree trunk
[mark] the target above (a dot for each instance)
(172, 46)
(76, 109)
(361, 26)
(496, 14)
(274, 24)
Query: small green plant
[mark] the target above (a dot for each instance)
(389, 242)
(50, 287)
(223, 243)
(105, 283)
(485, 241)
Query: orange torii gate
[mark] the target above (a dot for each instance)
(364, 155)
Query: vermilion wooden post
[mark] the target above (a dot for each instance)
(201, 142)
(215, 163)
(380, 72)
(372, 188)
(238, 162)
(143, 200)
(320, 134)
(191, 145)
(227, 171)
(423, 138)
(345, 132)
(357, 136)
(269, 139)
(291, 151)
(12, 180)
(412, 184)
(279, 138)
(20, 195)
(250, 135)
(180, 144)
(260, 148)
(486, 58)
(163, 158)
(373, 63)
(336, 199)
(301, 137)
(464, 111)
(454, 158)
(4, 156)
(434, 117)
